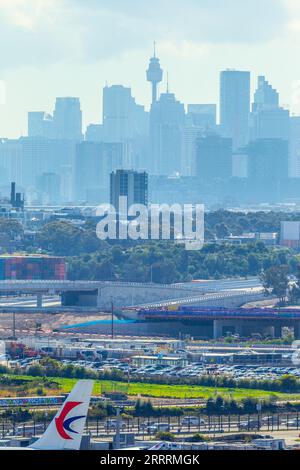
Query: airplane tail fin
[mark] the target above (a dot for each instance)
(66, 429)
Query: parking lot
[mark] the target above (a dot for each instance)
(192, 370)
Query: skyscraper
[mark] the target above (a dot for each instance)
(48, 186)
(267, 161)
(94, 163)
(40, 124)
(11, 161)
(214, 157)
(202, 115)
(294, 163)
(123, 118)
(68, 119)
(126, 122)
(167, 119)
(265, 95)
(154, 75)
(268, 120)
(235, 106)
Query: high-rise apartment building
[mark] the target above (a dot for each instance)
(131, 184)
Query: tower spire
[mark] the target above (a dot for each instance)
(154, 74)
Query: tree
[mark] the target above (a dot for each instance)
(222, 230)
(165, 436)
(289, 383)
(275, 280)
(60, 238)
(12, 228)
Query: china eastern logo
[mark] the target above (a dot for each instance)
(63, 424)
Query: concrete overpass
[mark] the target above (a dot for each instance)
(100, 294)
(241, 321)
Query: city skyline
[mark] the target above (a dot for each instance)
(37, 69)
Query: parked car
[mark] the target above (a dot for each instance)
(111, 424)
(159, 427)
(250, 425)
(192, 421)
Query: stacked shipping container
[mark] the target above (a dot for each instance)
(32, 268)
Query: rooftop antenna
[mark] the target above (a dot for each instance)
(168, 82)
(154, 53)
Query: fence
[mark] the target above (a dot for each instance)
(181, 425)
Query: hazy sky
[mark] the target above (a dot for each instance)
(52, 48)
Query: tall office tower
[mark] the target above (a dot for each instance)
(48, 186)
(122, 117)
(11, 161)
(200, 119)
(94, 133)
(154, 75)
(268, 120)
(235, 106)
(36, 159)
(267, 161)
(240, 164)
(67, 118)
(202, 115)
(129, 183)
(214, 158)
(40, 124)
(294, 163)
(167, 119)
(265, 95)
(189, 140)
(94, 163)
(40, 155)
(126, 122)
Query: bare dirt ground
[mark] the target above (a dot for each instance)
(26, 323)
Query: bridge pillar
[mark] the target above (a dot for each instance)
(218, 328)
(277, 330)
(39, 300)
(99, 298)
(297, 330)
(238, 329)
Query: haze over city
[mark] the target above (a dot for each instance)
(55, 48)
(150, 231)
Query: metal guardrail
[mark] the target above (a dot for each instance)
(200, 299)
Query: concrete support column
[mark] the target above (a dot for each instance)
(277, 330)
(297, 330)
(218, 328)
(99, 298)
(238, 329)
(39, 300)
